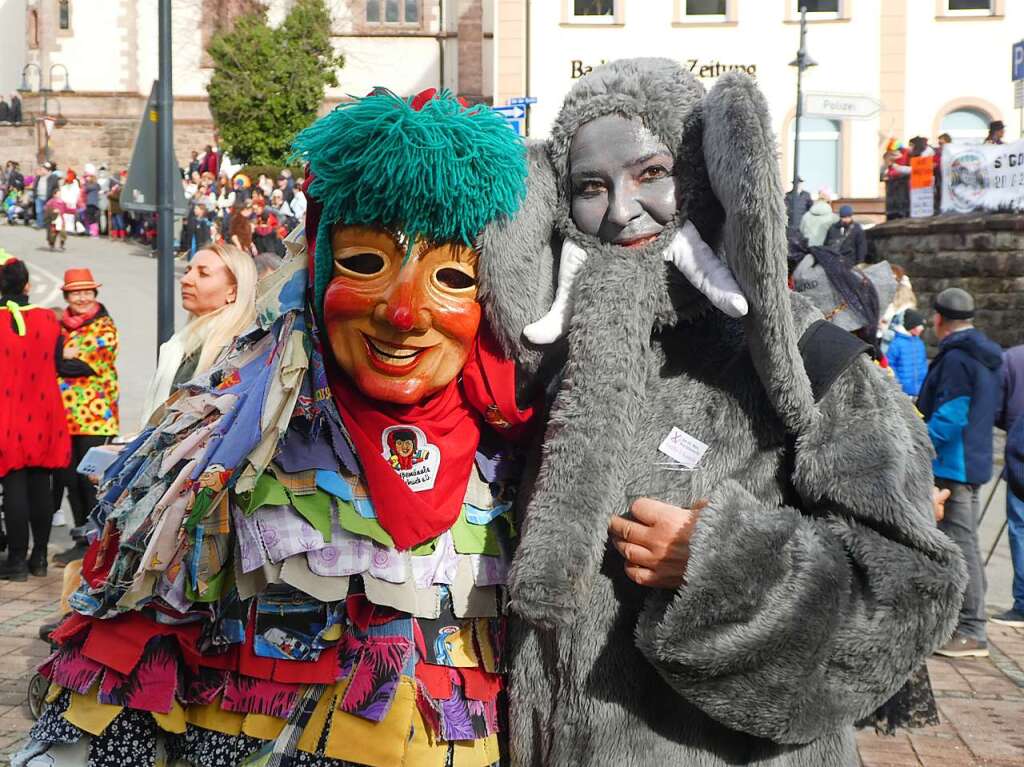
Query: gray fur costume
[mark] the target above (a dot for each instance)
(793, 622)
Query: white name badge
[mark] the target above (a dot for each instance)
(682, 448)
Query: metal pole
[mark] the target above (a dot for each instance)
(46, 133)
(165, 179)
(800, 56)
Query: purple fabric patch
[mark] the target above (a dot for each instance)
(297, 452)
(285, 533)
(248, 537)
(349, 554)
(374, 679)
(488, 570)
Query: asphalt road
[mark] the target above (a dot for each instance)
(128, 274)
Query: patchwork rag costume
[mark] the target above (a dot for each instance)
(303, 556)
(816, 580)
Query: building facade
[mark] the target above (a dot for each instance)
(909, 67)
(106, 52)
(926, 66)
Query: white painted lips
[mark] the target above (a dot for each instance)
(386, 352)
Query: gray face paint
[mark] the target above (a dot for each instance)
(623, 188)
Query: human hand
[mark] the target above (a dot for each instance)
(70, 350)
(939, 498)
(656, 542)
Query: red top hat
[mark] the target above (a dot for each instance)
(78, 279)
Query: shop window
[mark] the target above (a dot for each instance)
(819, 154)
(703, 11)
(966, 126)
(588, 8)
(980, 7)
(64, 14)
(817, 9)
(392, 11)
(592, 11)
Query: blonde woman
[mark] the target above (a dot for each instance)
(219, 292)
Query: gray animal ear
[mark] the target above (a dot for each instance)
(740, 155)
(518, 260)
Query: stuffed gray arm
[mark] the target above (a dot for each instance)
(860, 583)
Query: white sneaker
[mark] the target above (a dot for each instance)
(58, 518)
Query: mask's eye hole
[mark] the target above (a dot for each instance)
(454, 279)
(364, 264)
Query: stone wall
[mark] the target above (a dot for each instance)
(100, 128)
(981, 254)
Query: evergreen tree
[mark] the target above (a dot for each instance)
(268, 84)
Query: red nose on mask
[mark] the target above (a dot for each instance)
(401, 318)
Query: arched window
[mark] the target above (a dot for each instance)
(966, 126)
(819, 154)
(64, 14)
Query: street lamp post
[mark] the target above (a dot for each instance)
(166, 176)
(801, 62)
(46, 91)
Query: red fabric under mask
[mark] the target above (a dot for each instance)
(452, 429)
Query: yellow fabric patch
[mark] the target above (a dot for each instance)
(477, 753)
(374, 744)
(173, 721)
(423, 750)
(87, 713)
(262, 726)
(213, 717)
(488, 659)
(461, 648)
(317, 720)
(53, 692)
(71, 579)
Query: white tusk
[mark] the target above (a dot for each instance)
(555, 323)
(698, 263)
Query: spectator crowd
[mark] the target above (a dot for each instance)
(254, 214)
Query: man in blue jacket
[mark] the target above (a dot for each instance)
(959, 400)
(1011, 419)
(907, 354)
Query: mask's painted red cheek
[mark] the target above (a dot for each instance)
(459, 321)
(345, 299)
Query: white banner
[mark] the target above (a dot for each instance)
(982, 177)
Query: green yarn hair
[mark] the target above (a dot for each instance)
(440, 172)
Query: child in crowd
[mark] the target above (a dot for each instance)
(907, 355)
(10, 204)
(55, 220)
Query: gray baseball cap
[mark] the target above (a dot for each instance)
(955, 304)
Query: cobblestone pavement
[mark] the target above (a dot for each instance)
(981, 702)
(981, 705)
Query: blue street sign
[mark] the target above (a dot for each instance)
(523, 100)
(512, 112)
(1018, 60)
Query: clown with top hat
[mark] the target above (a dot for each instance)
(301, 559)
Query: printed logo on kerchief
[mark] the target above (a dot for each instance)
(410, 453)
